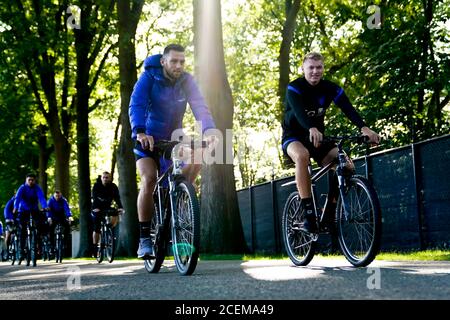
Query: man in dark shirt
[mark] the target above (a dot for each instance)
(103, 194)
(307, 100)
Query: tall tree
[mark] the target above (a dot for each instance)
(129, 12)
(292, 8)
(90, 39)
(38, 38)
(221, 229)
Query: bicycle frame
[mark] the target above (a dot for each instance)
(340, 161)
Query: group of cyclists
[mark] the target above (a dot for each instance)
(24, 206)
(157, 108)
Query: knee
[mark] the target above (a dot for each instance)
(148, 182)
(301, 158)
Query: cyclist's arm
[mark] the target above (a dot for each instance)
(116, 196)
(198, 104)
(295, 100)
(41, 197)
(342, 101)
(139, 101)
(9, 209)
(18, 199)
(67, 209)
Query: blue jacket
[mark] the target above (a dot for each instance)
(58, 209)
(157, 106)
(28, 198)
(8, 212)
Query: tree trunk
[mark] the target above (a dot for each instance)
(126, 165)
(292, 9)
(221, 228)
(83, 41)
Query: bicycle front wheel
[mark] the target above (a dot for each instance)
(100, 254)
(110, 244)
(186, 229)
(300, 245)
(59, 247)
(359, 222)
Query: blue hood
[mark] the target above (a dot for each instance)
(153, 62)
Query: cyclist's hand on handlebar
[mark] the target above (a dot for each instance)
(96, 210)
(49, 220)
(146, 141)
(315, 136)
(374, 138)
(120, 211)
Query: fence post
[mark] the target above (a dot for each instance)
(252, 218)
(276, 224)
(419, 195)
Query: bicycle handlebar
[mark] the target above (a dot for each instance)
(358, 139)
(164, 147)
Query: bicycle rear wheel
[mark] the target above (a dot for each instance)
(300, 245)
(13, 249)
(359, 230)
(186, 229)
(158, 234)
(110, 244)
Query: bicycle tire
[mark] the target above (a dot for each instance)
(110, 244)
(186, 230)
(300, 245)
(364, 219)
(60, 247)
(100, 254)
(33, 250)
(12, 250)
(159, 241)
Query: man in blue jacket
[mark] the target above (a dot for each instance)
(157, 108)
(9, 218)
(59, 212)
(26, 204)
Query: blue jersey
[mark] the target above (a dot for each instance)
(28, 198)
(157, 106)
(8, 212)
(58, 208)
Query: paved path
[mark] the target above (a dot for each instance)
(324, 278)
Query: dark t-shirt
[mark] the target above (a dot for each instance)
(306, 106)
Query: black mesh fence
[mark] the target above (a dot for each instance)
(412, 185)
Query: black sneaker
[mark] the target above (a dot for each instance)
(309, 223)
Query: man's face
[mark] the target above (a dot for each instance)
(106, 178)
(57, 196)
(30, 181)
(313, 70)
(173, 64)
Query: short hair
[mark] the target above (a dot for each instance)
(174, 47)
(106, 172)
(31, 175)
(314, 56)
(57, 191)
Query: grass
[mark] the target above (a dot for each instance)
(427, 255)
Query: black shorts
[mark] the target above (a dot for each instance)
(140, 153)
(318, 154)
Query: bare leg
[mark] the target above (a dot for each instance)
(147, 170)
(300, 155)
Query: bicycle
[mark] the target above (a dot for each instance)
(59, 241)
(14, 243)
(356, 221)
(107, 238)
(30, 241)
(176, 218)
(46, 247)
